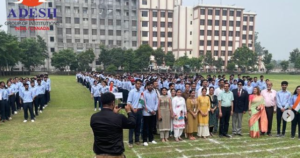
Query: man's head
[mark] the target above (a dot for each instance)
(149, 86)
(187, 87)
(240, 84)
(138, 84)
(235, 82)
(262, 77)
(226, 87)
(255, 79)
(155, 84)
(269, 85)
(284, 85)
(171, 85)
(221, 83)
(26, 86)
(249, 82)
(108, 100)
(39, 81)
(32, 83)
(204, 83)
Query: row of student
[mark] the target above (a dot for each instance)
(19, 93)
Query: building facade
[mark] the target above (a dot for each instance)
(166, 24)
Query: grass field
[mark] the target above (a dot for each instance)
(63, 130)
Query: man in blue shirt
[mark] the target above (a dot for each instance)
(134, 99)
(149, 113)
(254, 83)
(95, 94)
(248, 87)
(261, 83)
(34, 102)
(40, 92)
(27, 97)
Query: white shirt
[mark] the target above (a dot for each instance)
(218, 91)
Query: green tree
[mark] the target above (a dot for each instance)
(9, 51)
(183, 62)
(104, 56)
(294, 55)
(195, 63)
(208, 60)
(130, 61)
(63, 58)
(267, 59)
(284, 65)
(297, 63)
(84, 59)
(33, 55)
(159, 56)
(117, 57)
(170, 59)
(231, 67)
(219, 63)
(258, 48)
(43, 46)
(245, 58)
(142, 54)
(111, 68)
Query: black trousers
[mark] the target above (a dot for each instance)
(224, 121)
(36, 106)
(125, 95)
(279, 118)
(148, 128)
(270, 112)
(28, 106)
(46, 97)
(11, 102)
(40, 101)
(2, 110)
(296, 122)
(18, 101)
(137, 130)
(97, 99)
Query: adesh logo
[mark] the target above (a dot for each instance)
(31, 3)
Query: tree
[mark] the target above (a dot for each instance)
(63, 58)
(208, 60)
(43, 45)
(142, 54)
(195, 63)
(130, 61)
(84, 59)
(231, 67)
(9, 51)
(111, 68)
(267, 59)
(297, 63)
(104, 56)
(284, 65)
(32, 55)
(245, 58)
(294, 55)
(159, 56)
(258, 48)
(219, 63)
(170, 59)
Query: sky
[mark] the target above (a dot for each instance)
(277, 22)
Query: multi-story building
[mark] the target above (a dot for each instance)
(191, 31)
(211, 28)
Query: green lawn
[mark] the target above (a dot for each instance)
(63, 130)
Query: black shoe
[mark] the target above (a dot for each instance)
(283, 135)
(228, 136)
(239, 134)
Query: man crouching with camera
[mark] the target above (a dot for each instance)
(108, 127)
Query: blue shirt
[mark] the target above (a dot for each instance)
(262, 85)
(33, 89)
(233, 86)
(293, 100)
(134, 97)
(49, 83)
(11, 90)
(104, 89)
(249, 89)
(40, 89)
(95, 90)
(4, 93)
(151, 102)
(254, 84)
(283, 99)
(27, 96)
(226, 98)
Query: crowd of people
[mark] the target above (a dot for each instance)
(27, 94)
(182, 105)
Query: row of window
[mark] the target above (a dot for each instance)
(155, 13)
(110, 22)
(216, 43)
(224, 33)
(154, 24)
(110, 42)
(154, 34)
(216, 53)
(162, 44)
(77, 31)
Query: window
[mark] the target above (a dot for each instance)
(103, 42)
(191, 23)
(110, 22)
(51, 39)
(85, 19)
(118, 22)
(154, 34)
(59, 19)
(144, 33)
(110, 32)
(77, 40)
(144, 23)
(69, 40)
(244, 36)
(133, 22)
(223, 53)
(223, 33)
(202, 11)
(169, 44)
(49, 4)
(162, 24)
(191, 32)
(244, 27)
(119, 43)
(102, 21)
(170, 15)
(162, 44)
(249, 45)
(102, 32)
(230, 43)
(154, 14)
(201, 53)
(162, 14)
(52, 49)
(144, 13)
(170, 24)
(238, 13)
(85, 31)
(229, 53)
(238, 24)
(216, 43)
(251, 28)
(210, 11)
(68, 20)
(201, 32)
(230, 23)
(170, 34)
(217, 33)
(154, 44)
(110, 42)
(154, 24)
(94, 31)
(217, 22)
(209, 32)
(224, 23)
(231, 13)
(76, 20)
(251, 18)
(224, 12)
(217, 12)
(134, 43)
(51, 28)
(77, 31)
(68, 31)
(94, 21)
(202, 22)
(162, 34)
(237, 33)
(216, 53)
(230, 33)
(223, 43)
(208, 43)
(144, 2)
(245, 18)
(134, 33)
(201, 43)
(250, 37)
(85, 41)
(209, 22)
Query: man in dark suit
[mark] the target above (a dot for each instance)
(240, 107)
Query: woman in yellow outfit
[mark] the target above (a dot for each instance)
(204, 108)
